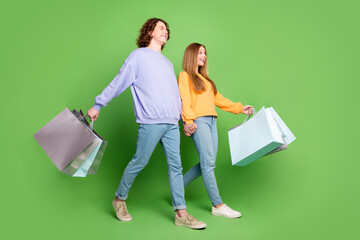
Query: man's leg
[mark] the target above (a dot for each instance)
(171, 146)
(148, 137)
(170, 143)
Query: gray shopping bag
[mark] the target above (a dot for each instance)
(88, 161)
(100, 153)
(64, 138)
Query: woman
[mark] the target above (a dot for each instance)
(199, 96)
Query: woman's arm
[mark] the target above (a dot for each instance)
(227, 105)
(187, 113)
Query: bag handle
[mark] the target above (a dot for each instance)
(91, 124)
(81, 117)
(247, 118)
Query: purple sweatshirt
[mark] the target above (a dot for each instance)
(153, 85)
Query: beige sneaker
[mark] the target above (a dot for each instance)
(189, 221)
(121, 210)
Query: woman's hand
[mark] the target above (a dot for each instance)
(93, 114)
(248, 110)
(189, 129)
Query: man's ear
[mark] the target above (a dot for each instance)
(150, 34)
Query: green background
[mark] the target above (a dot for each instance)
(301, 57)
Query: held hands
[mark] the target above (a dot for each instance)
(189, 129)
(248, 110)
(93, 114)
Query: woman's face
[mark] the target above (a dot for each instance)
(201, 56)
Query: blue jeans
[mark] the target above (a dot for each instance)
(148, 137)
(206, 142)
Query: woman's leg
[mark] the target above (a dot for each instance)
(206, 147)
(192, 174)
(222, 209)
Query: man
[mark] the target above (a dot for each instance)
(157, 107)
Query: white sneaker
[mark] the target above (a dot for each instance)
(225, 211)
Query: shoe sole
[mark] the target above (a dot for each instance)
(220, 215)
(202, 226)
(121, 219)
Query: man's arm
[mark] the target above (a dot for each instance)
(120, 83)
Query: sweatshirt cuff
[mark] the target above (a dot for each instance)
(241, 108)
(189, 122)
(97, 107)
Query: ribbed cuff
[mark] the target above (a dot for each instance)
(97, 107)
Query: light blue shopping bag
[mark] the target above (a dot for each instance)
(255, 138)
(287, 134)
(85, 166)
(83, 156)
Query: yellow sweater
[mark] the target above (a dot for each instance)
(196, 105)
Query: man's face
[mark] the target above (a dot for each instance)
(160, 33)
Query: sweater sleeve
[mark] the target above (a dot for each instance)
(227, 105)
(187, 113)
(120, 83)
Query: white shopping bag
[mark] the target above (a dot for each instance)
(258, 136)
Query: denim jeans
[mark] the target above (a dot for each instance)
(148, 137)
(206, 142)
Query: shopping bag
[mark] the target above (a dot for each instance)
(64, 138)
(255, 138)
(83, 170)
(77, 162)
(57, 139)
(287, 135)
(92, 162)
(96, 163)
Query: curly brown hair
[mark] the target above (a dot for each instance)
(146, 30)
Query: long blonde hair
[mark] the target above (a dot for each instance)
(190, 65)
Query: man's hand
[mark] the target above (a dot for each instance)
(93, 114)
(189, 129)
(248, 110)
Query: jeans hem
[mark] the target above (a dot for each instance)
(182, 207)
(218, 203)
(121, 198)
